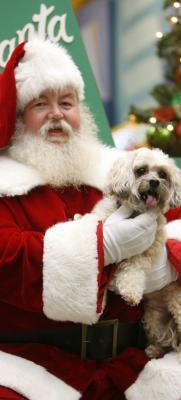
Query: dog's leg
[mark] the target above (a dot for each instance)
(162, 320)
(130, 278)
(155, 329)
(172, 294)
(105, 207)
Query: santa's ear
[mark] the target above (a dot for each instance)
(120, 177)
(176, 188)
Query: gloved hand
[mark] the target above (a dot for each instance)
(161, 274)
(125, 237)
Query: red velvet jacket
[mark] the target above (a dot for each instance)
(42, 272)
(24, 221)
(25, 251)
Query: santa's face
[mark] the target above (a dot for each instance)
(55, 107)
(60, 165)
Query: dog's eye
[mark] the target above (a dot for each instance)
(162, 174)
(141, 171)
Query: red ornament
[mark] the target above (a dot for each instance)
(178, 74)
(165, 114)
(178, 129)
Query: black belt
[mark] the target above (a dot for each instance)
(100, 341)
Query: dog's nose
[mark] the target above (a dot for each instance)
(154, 183)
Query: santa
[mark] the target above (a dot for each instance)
(63, 334)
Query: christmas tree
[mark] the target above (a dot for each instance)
(164, 120)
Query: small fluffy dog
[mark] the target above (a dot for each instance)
(147, 179)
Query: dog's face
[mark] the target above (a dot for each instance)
(147, 179)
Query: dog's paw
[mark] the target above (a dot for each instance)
(130, 283)
(154, 351)
(130, 294)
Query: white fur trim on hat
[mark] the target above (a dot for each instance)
(45, 65)
(32, 380)
(159, 380)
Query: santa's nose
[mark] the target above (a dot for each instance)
(56, 112)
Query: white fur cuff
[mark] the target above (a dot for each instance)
(70, 271)
(173, 229)
(32, 380)
(159, 380)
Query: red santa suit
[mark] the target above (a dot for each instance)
(52, 271)
(52, 274)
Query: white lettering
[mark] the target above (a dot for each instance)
(41, 18)
(55, 27)
(62, 34)
(26, 33)
(3, 49)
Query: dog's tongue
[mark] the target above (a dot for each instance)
(151, 201)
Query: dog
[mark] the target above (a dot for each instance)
(147, 179)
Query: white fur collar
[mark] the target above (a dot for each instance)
(17, 178)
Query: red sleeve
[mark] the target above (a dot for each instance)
(174, 254)
(105, 273)
(173, 213)
(60, 272)
(20, 263)
(173, 245)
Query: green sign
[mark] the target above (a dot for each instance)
(21, 19)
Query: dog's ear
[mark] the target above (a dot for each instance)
(176, 189)
(120, 177)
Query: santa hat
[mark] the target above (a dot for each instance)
(33, 67)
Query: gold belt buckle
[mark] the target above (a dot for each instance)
(85, 341)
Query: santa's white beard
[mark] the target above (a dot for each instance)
(60, 164)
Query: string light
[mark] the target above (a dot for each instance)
(159, 35)
(176, 4)
(174, 20)
(170, 127)
(152, 120)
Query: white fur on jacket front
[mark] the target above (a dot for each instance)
(16, 178)
(33, 381)
(70, 271)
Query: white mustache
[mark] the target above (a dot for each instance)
(62, 125)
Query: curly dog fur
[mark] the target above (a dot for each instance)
(148, 179)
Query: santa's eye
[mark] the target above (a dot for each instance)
(141, 171)
(162, 174)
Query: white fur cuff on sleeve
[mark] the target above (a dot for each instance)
(159, 380)
(70, 271)
(173, 229)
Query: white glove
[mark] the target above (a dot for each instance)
(161, 274)
(125, 237)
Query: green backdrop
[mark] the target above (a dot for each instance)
(55, 20)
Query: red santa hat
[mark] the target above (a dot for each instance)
(33, 67)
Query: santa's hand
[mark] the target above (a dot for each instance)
(162, 273)
(125, 237)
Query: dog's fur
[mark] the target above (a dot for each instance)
(147, 179)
